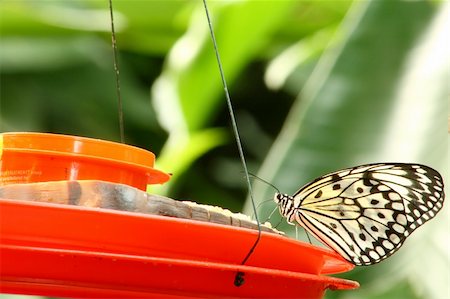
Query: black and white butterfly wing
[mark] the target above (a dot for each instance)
(366, 213)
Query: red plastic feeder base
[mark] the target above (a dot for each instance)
(69, 251)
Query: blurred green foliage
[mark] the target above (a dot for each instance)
(316, 86)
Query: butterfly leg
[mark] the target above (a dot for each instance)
(281, 220)
(271, 214)
(309, 239)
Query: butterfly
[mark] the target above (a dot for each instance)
(365, 213)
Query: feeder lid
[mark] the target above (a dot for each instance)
(68, 144)
(20, 147)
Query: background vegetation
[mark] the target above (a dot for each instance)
(316, 85)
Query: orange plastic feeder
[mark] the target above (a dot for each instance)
(41, 157)
(69, 251)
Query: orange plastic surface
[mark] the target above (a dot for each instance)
(41, 157)
(70, 251)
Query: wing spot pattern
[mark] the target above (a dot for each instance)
(365, 213)
(394, 238)
(398, 228)
(401, 219)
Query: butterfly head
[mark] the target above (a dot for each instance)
(285, 204)
(278, 197)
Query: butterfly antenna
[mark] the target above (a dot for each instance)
(264, 181)
(239, 278)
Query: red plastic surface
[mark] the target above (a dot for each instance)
(69, 251)
(112, 275)
(41, 157)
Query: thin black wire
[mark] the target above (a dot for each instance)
(239, 277)
(1, 118)
(116, 69)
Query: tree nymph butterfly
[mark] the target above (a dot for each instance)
(365, 213)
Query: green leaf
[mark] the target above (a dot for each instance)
(191, 75)
(178, 156)
(188, 92)
(379, 95)
(350, 107)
